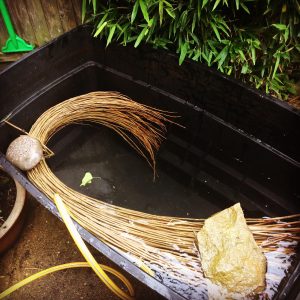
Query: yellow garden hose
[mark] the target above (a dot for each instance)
(63, 267)
(91, 262)
(85, 251)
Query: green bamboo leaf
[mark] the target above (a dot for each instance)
(253, 55)
(183, 52)
(204, 2)
(168, 4)
(144, 10)
(229, 71)
(179, 42)
(245, 69)
(170, 31)
(242, 55)
(237, 3)
(161, 11)
(102, 20)
(215, 31)
(197, 55)
(111, 33)
(94, 6)
(204, 56)
(216, 4)
(276, 66)
(134, 11)
(83, 11)
(129, 38)
(223, 29)
(195, 38)
(222, 56)
(100, 29)
(221, 21)
(267, 88)
(286, 34)
(183, 19)
(141, 36)
(122, 29)
(210, 55)
(170, 12)
(256, 44)
(175, 28)
(245, 8)
(263, 70)
(211, 44)
(280, 26)
(194, 22)
(198, 9)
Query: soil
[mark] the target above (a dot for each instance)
(7, 196)
(45, 242)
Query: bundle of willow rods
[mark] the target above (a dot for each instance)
(146, 236)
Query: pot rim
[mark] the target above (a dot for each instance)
(16, 211)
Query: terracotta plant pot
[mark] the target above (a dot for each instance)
(12, 226)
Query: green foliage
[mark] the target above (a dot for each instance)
(256, 41)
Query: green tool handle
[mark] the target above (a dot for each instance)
(7, 21)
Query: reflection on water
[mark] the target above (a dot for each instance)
(189, 282)
(279, 263)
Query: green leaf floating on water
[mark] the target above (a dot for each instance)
(87, 179)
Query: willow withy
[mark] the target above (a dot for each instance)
(148, 237)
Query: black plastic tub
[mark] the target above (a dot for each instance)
(238, 145)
